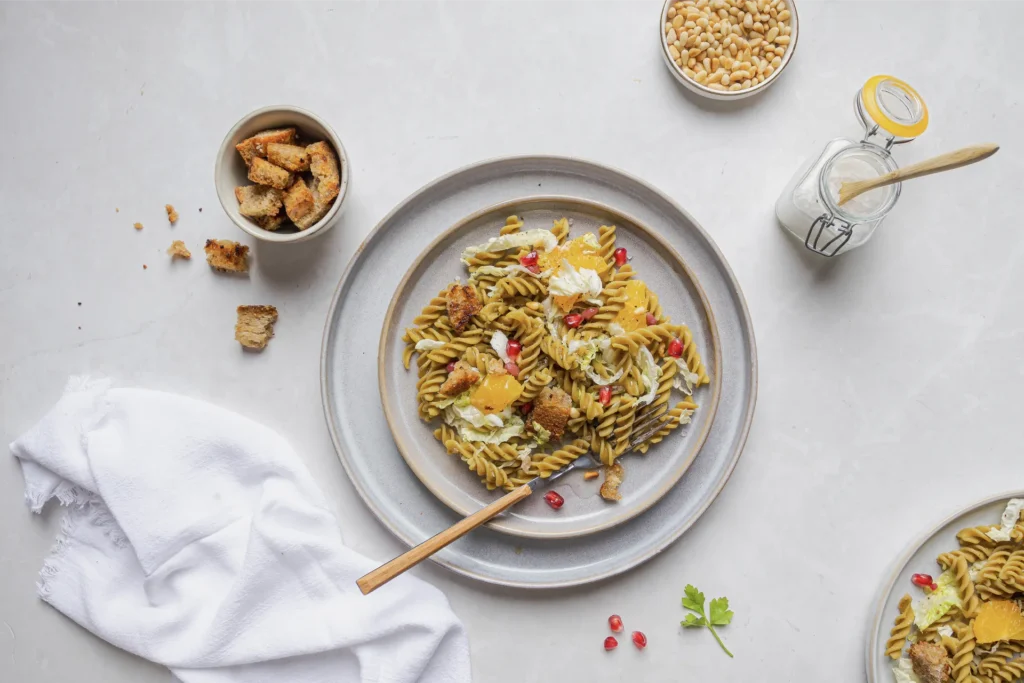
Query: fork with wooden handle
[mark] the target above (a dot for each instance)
(643, 429)
(943, 162)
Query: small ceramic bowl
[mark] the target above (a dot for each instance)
(728, 95)
(230, 170)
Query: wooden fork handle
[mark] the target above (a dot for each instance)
(381, 575)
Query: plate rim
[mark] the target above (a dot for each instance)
(743, 433)
(389, 322)
(897, 567)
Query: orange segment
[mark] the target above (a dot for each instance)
(634, 314)
(565, 302)
(495, 393)
(998, 620)
(578, 253)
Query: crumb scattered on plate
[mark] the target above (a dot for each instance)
(138, 226)
(179, 250)
(172, 215)
(592, 474)
(144, 266)
(255, 325)
(227, 255)
(612, 479)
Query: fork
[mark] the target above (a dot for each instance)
(643, 429)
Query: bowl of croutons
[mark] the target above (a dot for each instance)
(282, 174)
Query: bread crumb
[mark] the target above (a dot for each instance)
(117, 210)
(179, 250)
(172, 215)
(144, 266)
(255, 325)
(612, 478)
(138, 226)
(227, 255)
(592, 474)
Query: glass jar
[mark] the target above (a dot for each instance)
(891, 113)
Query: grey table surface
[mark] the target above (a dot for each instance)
(889, 379)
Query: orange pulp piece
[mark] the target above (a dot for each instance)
(495, 393)
(998, 620)
(634, 313)
(578, 253)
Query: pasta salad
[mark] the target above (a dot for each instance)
(551, 348)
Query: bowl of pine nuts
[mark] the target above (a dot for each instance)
(727, 49)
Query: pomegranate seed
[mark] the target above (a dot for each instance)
(651, 320)
(922, 580)
(620, 256)
(450, 367)
(933, 587)
(640, 640)
(555, 501)
(513, 349)
(615, 623)
(589, 313)
(526, 408)
(610, 643)
(512, 369)
(529, 260)
(573, 320)
(604, 395)
(675, 348)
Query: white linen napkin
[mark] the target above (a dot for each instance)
(197, 539)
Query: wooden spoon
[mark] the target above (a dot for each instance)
(943, 162)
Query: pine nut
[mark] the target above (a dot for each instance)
(728, 44)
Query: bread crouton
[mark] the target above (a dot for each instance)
(227, 255)
(463, 303)
(292, 158)
(930, 662)
(137, 226)
(256, 201)
(461, 378)
(298, 200)
(495, 366)
(323, 162)
(255, 325)
(179, 250)
(270, 222)
(320, 209)
(551, 410)
(262, 172)
(172, 215)
(612, 478)
(256, 146)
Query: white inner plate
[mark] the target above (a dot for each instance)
(648, 477)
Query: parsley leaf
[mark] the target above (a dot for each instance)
(720, 614)
(693, 621)
(694, 599)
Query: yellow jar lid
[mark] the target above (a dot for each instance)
(911, 125)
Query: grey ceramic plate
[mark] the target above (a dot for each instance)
(920, 558)
(648, 477)
(360, 431)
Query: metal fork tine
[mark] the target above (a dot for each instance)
(647, 427)
(647, 420)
